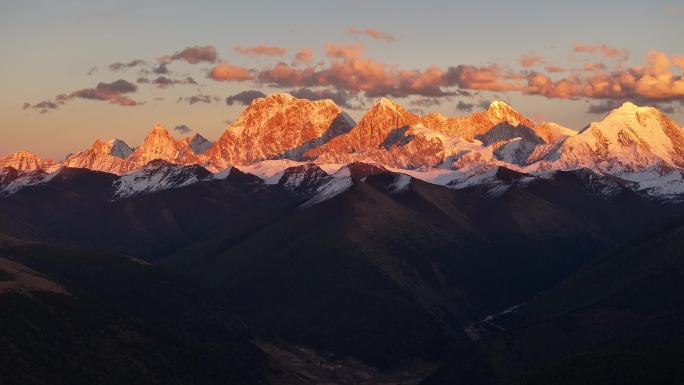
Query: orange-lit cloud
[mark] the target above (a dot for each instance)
(652, 81)
(261, 50)
(678, 60)
(347, 70)
(602, 49)
(229, 72)
(304, 56)
(342, 51)
(530, 60)
(283, 75)
(372, 33)
(554, 69)
(594, 66)
(354, 74)
(489, 78)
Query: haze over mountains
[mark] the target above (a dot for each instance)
(302, 247)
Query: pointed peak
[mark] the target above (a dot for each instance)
(116, 141)
(385, 102)
(159, 128)
(280, 97)
(197, 136)
(499, 105)
(24, 153)
(628, 106)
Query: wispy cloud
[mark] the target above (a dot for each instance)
(261, 50)
(372, 33)
(603, 49)
(194, 55)
(182, 129)
(304, 56)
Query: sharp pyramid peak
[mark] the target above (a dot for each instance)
(499, 106)
(278, 97)
(386, 102)
(628, 106)
(629, 109)
(158, 127)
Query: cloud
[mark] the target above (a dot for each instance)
(426, 102)
(44, 106)
(340, 97)
(606, 106)
(244, 97)
(594, 66)
(488, 78)
(652, 81)
(182, 129)
(604, 50)
(342, 51)
(304, 56)
(199, 98)
(229, 72)
(603, 107)
(163, 81)
(465, 107)
(530, 60)
(161, 69)
(194, 55)
(354, 74)
(678, 60)
(554, 69)
(118, 66)
(113, 92)
(92, 70)
(261, 50)
(372, 33)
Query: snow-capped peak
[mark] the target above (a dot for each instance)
(25, 161)
(500, 111)
(160, 144)
(119, 148)
(102, 156)
(628, 139)
(386, 103)
(198, 143)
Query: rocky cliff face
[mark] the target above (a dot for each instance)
(278, 126)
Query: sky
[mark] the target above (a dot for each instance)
(75, 71)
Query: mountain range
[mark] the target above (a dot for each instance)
(302, 247)
(640, 146)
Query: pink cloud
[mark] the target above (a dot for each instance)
(261, 50)
(304, 56)
(530, 60)
(341, 51)
(372, 33)
(602, 49)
